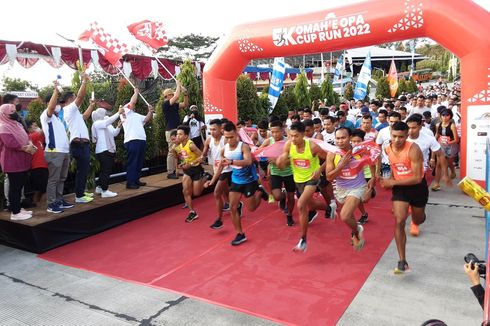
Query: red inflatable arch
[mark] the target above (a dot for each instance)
(459, 25)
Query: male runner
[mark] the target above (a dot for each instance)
(408, 185)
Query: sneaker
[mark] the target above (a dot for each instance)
(22, 210)
(172, 176)
(414, 230)
(108, 194)
(218, 224)
(282, 202)
(328, 211)
(88, 194)
(226, 207)
(240, 209)
(185, 206)
(63, 204)
(54, 208)
(20, 216)
(301, 246)
(264, 195)
(312, 216)
(402, 267)
(191, 217)
(363, 219)
(98, 190)
(239, 239)
(333, 209)
(83, 200)
(358, 242)
(290, 221)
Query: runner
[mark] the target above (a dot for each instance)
(194, 175)
(243, 179)
(430, 148)
(408, 185)
(281, 177)
(213, 146)
(351, 186)
(303, 156)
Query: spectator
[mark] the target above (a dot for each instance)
(170, 109)
(196, 125)
(39, 168)
(471, 269)
(15, 158)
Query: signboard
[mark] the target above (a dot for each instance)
(478, 130)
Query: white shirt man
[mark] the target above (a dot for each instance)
(133, 124)
(75, 122)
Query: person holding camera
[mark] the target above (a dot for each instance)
(472, 270)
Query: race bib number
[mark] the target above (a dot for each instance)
(444, 139)
(402, 169)
(347, 174)
(301, 164)
(183, 154)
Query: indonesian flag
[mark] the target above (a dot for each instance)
(111, 48)
(393, 79)
(150, 33)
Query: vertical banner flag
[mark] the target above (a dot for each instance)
(277, 79)
(150, 33)
(349, 60)
(393, 79)
(412, 50)
(111, 48)
(338, 68)
(363, 79)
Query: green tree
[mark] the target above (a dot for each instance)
(301, 91)
(349, 92)
(281, 108)
(411, 86)
(193, 46)
(188, 78)
(17, 85)
(315, 95)
(383, 89)
(290, 98)
(263, 106)
(159, 128)
(402, 86)
(327, 91)
(247, 99)
(403, 67)
(35, 108)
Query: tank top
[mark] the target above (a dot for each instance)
(445, 133)
(348, 178)
(371, 135)
(215, 154)
(240, 174)
(401, 166)
(186, 155)
(303, 164)
(287, 171)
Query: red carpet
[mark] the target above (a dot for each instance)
(262, 277)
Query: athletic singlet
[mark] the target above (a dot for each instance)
(445, 133)
(185, 153)
(287, 171)
(261, 139)
(303, 164)
(401, 166)
(348, 178)
(215, 154)
(371, 135)
(240, 174)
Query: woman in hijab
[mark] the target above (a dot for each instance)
(15, 158)
(103, 134)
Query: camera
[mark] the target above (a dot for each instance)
(472, 260)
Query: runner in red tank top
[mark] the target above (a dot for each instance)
(408, 186)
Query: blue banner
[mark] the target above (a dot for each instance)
(339, 68)
(363, 79)
(277, 79)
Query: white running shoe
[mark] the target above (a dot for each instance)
(98, 190)
(20, 216)
(108, 194)
(25, 212)
(83, 200)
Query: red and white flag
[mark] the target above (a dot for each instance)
(393, 79)
(150, 33)
(111, 48)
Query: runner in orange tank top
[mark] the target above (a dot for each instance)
(408, 185)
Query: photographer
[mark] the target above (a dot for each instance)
(472, 270)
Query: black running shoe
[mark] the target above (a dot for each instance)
(402, 267)
(226, 207)
(191, 217)
(240, 238)
(239, 209)
(328, 211)
(301, 246)
(363, 219)
(290, 221)
(264, 195)
(218, 224)
(312, 216)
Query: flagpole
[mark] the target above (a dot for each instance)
(131, 83)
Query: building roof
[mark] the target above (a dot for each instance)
(381, 54)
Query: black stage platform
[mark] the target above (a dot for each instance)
(45, 231)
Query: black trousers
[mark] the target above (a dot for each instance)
(106, 160)
(17, 181)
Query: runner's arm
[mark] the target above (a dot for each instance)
(417, 163)
(283, 159)
(247, 157)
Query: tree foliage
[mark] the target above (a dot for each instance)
(35, 108)
(383, 88)
(402, 86)
(17, 85)
(301, 91)
(192, 46)
(247, 99)
(315, 95)
(188, 78)
(281, 108)
(289, 98)
(327, 92)
(349, 92)
(411, 86)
